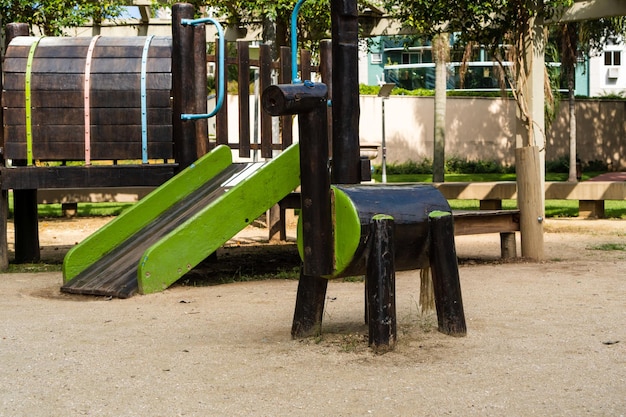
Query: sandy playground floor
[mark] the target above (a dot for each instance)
(544, 339)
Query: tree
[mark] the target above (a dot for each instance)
(274, 16)
(579, 40)
(52, 16)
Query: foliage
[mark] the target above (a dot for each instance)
(457, 165)
(313, 19)
(503, 27)
(52, 16)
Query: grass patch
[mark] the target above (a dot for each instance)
(84, 209)
(609, 247)
(34, 268)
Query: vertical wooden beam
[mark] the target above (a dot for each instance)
(326, 71)
(284, 77)
(305, 64)
(381, 285)
(530, 131)
(445, 274)
(4, 244)
(346, 152)
(25, 217)
(184, 132)
(221, 118)
(200, 89)
(309, 310)
(11, 31)
(530, 194)
(265, 80)
(243, 61)
(24, 201)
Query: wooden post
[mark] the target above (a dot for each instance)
(309, 311)
(530, 128)
(346, 151)
(326, 71)
(200, 90)
(530, 196)
(12, 30)
(445, 273)
(308, 100)
(183, 64)
(381, 285)
(243, 59)
(4, 244)
(24, 201)
(221, 118)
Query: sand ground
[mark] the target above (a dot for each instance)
(544, 339)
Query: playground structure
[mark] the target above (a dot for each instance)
(129, 147)
(209, 199)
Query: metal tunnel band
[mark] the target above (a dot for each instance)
(144, 106)
(27, 102)
(87, 89)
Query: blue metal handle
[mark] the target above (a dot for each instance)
(294, 42)
(220, 66)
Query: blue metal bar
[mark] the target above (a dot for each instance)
(144, 105)
(294, 42)
(220, 66)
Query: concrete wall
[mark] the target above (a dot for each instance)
(483, 129)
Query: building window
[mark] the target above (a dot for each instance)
(377, 58)
(412, 57)
(612, 58)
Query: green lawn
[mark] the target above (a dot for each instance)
(550, 176)
(554, 208)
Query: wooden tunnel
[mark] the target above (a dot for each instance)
(88, 98)
(354, 206)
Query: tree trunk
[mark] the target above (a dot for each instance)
(572, 177)
(441, 52)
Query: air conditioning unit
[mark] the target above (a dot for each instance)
(613, 72)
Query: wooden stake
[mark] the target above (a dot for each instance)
(530, 201)
(446, 283)
(381, 285)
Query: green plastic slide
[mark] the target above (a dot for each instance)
(235, 201)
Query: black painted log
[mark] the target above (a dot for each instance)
(409, 205)
(24, 201)
(445, 274)
(346, 152)
(26, 226)
(309, 311)
(381, 284)
(308, 100)
(284, 99)
(183, 95)
(200, 90)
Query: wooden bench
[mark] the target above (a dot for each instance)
(591, 195)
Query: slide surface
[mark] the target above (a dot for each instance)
(171, 230)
